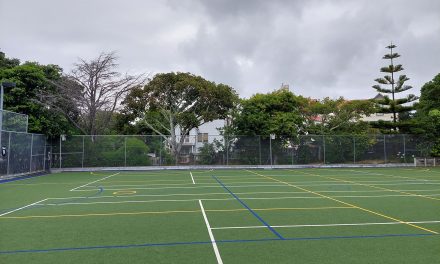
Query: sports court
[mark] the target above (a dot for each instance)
(333, 215)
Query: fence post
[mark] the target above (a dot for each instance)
(270, 149)
(60, 152)
(404, 148)
(83, 149)
(32, 146)
(125, 151)
(227, 150)
(354, 149)
(259, 147)
(384, 148)
(323, 143)
(9, 152)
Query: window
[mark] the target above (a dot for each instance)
(202, 137)
(379, 114)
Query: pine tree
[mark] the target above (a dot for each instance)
(393, 105)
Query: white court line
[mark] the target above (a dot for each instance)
(74, 189)
(183, 187)
(226, 199)
(211, 236)
(325, 225)
(225, 194)
(245, 186)
(192, 178)
(18, 209)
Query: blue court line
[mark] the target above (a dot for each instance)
(23, 177)
(209, 242)
(250, 210)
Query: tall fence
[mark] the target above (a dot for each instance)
(11, 121)
(21, 153)
(129, 151)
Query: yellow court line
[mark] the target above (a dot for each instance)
(171, 212)
(348, 204)
(373, 186)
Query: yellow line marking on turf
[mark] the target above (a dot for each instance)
(172, 212)
(124, 192)
(348, 204)
(373, 186)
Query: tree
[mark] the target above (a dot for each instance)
(32, 79)
(340, 116)
(427, 121)
(96, 89)
(393, 105)
(172, 104)
(277, 113)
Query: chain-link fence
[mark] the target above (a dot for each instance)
(203, 149)
(11, 121)
(21, 154)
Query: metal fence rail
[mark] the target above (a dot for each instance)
(152, 150)
(21, 154)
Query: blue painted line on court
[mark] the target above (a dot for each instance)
(210, 242)
(250, 210)
(22, 178)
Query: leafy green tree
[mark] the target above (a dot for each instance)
(172, 104)
(31, 78)
(277, 113)
(340, 116)
(427, 121)
(393, 105)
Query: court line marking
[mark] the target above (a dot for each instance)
(211, 236)
(326, 225)
(184, 186)
(209, 242)
(349, 204)
(23, 207)
(225, 199)
(371, 186)
(222, 193)
(75, 189)
(170, 212)
(250, 210)
(187, 187)
(192, 178)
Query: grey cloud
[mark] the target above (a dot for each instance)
(321, 48)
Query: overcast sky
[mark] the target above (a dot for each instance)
(320, 48)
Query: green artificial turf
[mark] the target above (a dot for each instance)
(373, 215)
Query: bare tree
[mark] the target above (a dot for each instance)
(95, 89)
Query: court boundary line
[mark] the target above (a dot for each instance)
(23, 207)
(209, 242)
(377, 187)
(225, 199)
(211, 235)
(250, 210)
(195, 194)
(349, 204)
(192, 178)
(326, 225)
(75, 189)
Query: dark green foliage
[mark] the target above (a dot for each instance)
(172, 104)
(31, 78)
(391, 84)
(273, 113)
